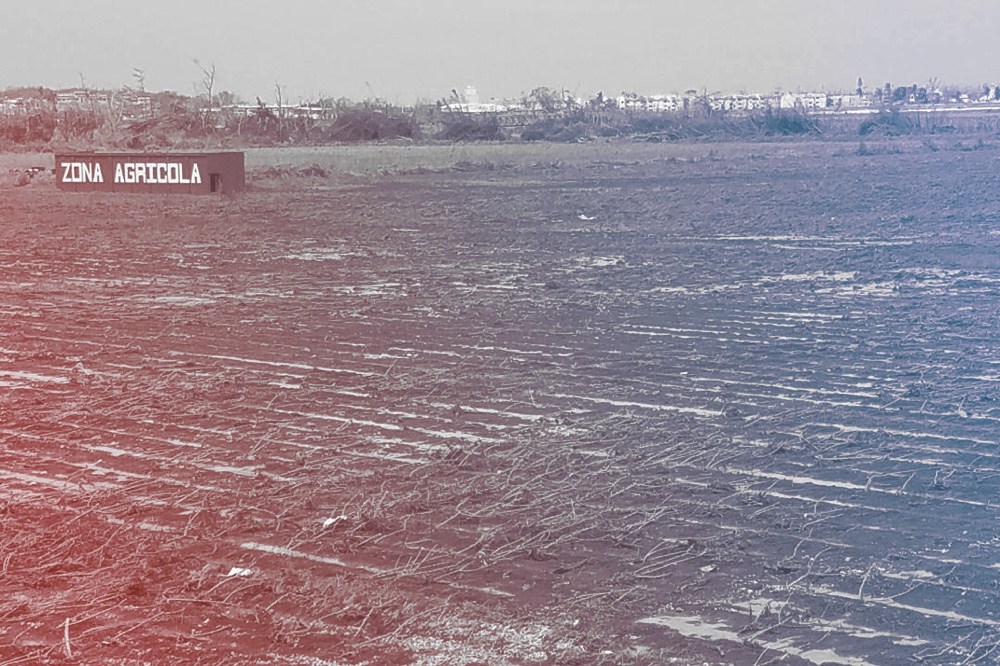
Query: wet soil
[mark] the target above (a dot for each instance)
(727, 410)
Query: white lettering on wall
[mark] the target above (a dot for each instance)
(172, 173)
(81, 172)
(154, 173)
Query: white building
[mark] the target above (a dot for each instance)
(469, 103)
(652, 104)
(807, 101)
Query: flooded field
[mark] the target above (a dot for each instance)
(725, 405)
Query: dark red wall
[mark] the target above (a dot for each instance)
(180, 173)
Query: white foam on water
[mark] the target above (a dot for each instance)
(628, 403)
(33, 377)
(696, 627)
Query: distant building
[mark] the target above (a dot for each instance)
(469, 103)
(630, 101)
(471, 96)
(81, 98)
(805, 101)
(13, 105)
(130, 105)
(850, 101)
(743, 103)
(134, 105)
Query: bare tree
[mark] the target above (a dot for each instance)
(279, 100)
(544, 99)
(207, 81)
(140, 78)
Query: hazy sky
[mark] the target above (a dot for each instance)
(404, 50)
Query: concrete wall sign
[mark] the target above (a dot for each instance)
(181, 173)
